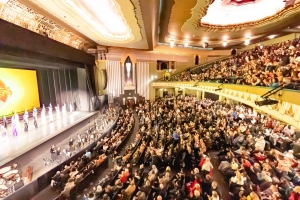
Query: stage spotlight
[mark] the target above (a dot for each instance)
(266, 102)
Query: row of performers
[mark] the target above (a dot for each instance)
(15, 119)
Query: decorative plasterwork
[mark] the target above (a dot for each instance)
(285, 111)
(21, 15)
(86, 23)
(285, 13)
(107, 10)
(185, 24)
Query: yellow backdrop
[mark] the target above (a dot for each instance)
(18, 90)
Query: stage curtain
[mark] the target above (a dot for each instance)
(143, 79)
(114, 79)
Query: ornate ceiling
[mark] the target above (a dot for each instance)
(106, 22)
(137, 24)
(230, 21)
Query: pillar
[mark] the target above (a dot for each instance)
(151, 93)
(203, 95)
(161, 92)
(183, 92)
(198, 94)
(221, 98)
(176, 92)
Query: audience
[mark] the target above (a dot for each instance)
(268, 66)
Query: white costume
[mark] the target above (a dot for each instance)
(71, 108)
(43, 115)
(50, 113)
(3, 132)
(57, 109)
(64, 110)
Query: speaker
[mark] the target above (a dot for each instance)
(233, 52)
(196, 60)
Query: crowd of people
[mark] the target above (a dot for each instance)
(270, 66)
(74, 176)
(170, 158)
(61, 153)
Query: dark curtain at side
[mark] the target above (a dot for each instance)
(58, 86)
(90, 76)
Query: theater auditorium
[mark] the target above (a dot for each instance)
(149, 99)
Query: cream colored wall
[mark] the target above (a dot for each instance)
(272, 41)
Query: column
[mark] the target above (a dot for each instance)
(221, 98)
(176, 92)
(198, 94)
(203, 95)
(161, 92)
(183, 92)
(151, 93)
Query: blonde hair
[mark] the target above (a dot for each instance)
(238, 175)
(254, 196)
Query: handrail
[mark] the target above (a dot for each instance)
(198, 66)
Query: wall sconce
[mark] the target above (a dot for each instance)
(261, 46)
(205, 45)
(224, 43)
(172, 43)
(128, 67)
(186, 44)
(247, 41)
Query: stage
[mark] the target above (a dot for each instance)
(15, 146)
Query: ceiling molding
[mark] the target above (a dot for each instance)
(286, 12)
(72, 13)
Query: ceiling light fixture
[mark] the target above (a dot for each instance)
(172, 43)
(224, 43)
(186, 44)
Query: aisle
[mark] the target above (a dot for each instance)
(48, 193)
(218, 176)
(110, 162)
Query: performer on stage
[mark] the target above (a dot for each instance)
(3, 131)
(50, 113)
(64, 110)
(43, 114)
(25, 118)
(71, 107)
(57, 109)
(14, 124)
(4, 120)
(34, 114)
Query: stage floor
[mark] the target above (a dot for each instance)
(15, 146)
